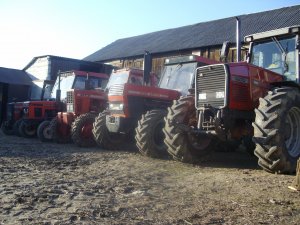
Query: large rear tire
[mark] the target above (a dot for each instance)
(81, 130)
(44, 132)
(27, 129)
(183, 145)
(104, 138)
(149, 135)
(277, 130)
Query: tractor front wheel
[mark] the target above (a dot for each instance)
(182, 144)
(44, 132)
(277, 130)
(54, 132)
(149, 135)
(104, 138)
(81, 130)
(27, 129)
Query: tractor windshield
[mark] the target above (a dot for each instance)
(78, 83)
(277, 55)
(66, 83)
(94, 82)
(178, 77)
(118, 78)
(40, 90)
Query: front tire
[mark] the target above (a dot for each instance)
(54, 131)
(149, 135)
(181, 143)
(44, 132)
(104, 138)
(27, 129)
(81, 130)
(277, 130)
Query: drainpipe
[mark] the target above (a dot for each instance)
(238, 39)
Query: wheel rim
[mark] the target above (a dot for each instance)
(292, 133)
(47, 133)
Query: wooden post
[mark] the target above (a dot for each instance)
(296, 183)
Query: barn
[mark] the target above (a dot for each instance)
(46, 67)
(14, 86)
(204, 39)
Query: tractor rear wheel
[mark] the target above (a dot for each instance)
(277, 130)
(104, 138)
(81, 130)
(149, 135)
(44, 132)
(181, 143)
(27, 129)
(7, 128)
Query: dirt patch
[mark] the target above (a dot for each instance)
(63, 184)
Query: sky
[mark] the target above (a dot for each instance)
(78, 28)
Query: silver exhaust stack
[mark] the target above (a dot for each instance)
(238, 39)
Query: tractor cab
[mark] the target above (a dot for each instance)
(120, 77)
(78, 80)
(178, 72)
(277, 51)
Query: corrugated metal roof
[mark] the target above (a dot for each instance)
(13, 76)
(197, 35)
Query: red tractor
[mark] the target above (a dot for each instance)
(136, 103)
(229, 97)
(83, 97)
(23, 117)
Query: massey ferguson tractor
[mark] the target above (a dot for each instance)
(82, 95)
(135, 102)
(230, 97)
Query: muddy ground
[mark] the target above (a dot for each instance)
(47, 183)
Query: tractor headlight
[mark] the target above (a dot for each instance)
(116, 106)
(202, 96)
(25, 110)
(220, 94)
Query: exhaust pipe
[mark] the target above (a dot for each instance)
(147, 67)
(58, 91)
(238, 39)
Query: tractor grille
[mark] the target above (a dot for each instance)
(70, 97)
(211, 85)
(116, 89)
